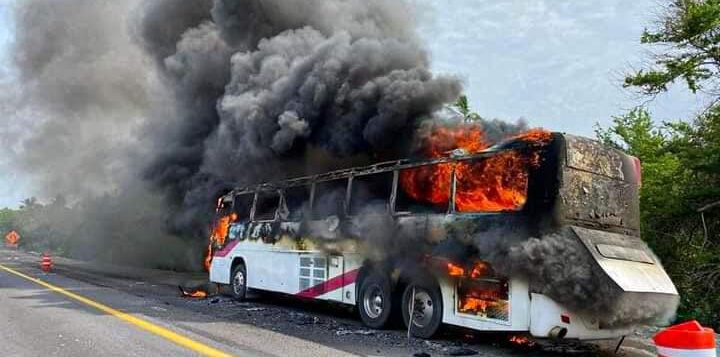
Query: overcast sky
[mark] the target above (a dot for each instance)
(558, 64)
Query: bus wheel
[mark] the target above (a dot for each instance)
(375, 300)
(238, 284)
(425, 302)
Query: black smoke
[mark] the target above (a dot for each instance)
(259, 83)
(175, 101)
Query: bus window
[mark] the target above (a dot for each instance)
(297, 203)
(266, 205)
(329, 198)
(494, 184)
(371, 191)
(424, 189)
(243, 204)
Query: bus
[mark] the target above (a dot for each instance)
(373, 237)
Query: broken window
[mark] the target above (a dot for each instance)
(266, 205)
(297, 203)
(493, 184)
(488, 298)
(329, 198)
(424, 189)
(243, 205)
(371, 193)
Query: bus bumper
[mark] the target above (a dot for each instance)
(550, 320)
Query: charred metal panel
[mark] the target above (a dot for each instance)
(599, 200)
(594, 191)
(589, 155)
(630, 275)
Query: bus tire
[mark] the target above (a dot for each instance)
(375, 300)
(238, 282)
(428, 307)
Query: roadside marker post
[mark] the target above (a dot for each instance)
(46, 263)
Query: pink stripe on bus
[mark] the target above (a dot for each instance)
(226, 249)
(330, 285)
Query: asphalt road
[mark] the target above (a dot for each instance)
(138, 312)
(37, 321)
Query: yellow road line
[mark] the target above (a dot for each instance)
(193, 345)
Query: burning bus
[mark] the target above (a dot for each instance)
(453, 239)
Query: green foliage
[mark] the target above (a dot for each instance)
(689, 35)
(681, 161)
(7, 221)
(680, 173)
(463, 107)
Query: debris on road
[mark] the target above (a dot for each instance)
(255, 309)
(354, 332)
(197, 293)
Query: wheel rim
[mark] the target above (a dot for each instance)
(423, 310)
(238, 282)
(373, 301)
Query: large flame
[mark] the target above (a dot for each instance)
(475, 305)
(219, 232)
(494, 184)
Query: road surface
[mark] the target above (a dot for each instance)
(85, 309)
(38, 321)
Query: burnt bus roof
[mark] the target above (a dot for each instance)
(387, 166)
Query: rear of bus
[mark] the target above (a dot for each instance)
(597, 202)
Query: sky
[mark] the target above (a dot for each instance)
(556, 64)
(13, 188)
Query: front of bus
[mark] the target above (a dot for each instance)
(596, 203)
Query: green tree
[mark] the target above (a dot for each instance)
(681, 161)
(7, 220)
(689, 36)
(679, 174)
(463, 108)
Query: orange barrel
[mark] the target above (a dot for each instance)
(46, 263)
(688, 339)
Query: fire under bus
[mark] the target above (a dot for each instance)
(315, 237)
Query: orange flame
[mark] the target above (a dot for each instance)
(197, 293)
(479, 270)
(208, 256)
(219, 233)
(475, 305)
(522, 340)
(454, 270)
(497, 183)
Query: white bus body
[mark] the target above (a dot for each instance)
(319, 257)
(318, 275)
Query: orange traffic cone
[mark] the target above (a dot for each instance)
(688, 339)
(46, 263)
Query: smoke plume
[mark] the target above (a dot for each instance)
(259, 82)
(558, 265)
(180, 100)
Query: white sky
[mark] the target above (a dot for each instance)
(556, 63)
